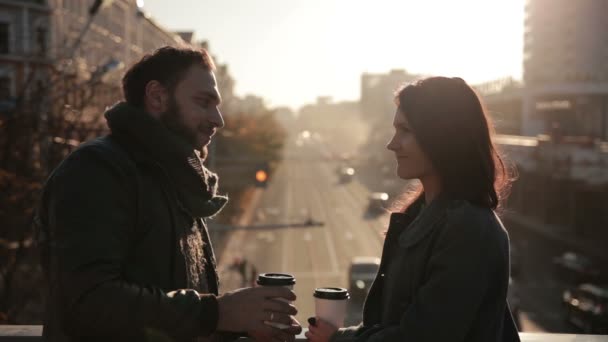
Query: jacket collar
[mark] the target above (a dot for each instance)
(417, 221)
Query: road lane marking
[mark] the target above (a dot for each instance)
(333, 258)
(307, 236)
(287, 234)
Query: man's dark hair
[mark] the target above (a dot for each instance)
(166, 65)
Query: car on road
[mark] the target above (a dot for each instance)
(361, 275)
(311, 222)
(587, 307)
(378, 202)
(575, 268)
(346, 174)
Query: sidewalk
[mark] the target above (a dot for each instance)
(592, 247)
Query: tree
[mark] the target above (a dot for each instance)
(59, 105)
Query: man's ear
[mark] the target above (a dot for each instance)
(156, 98)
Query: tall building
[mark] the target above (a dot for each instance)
(566, 67)
(61, 57)
(24, 31)
(503, 101)
(565, 41)
(39, 33)
(377, 92)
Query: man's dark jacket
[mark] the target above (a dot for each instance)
(443, 277)
(123, 237)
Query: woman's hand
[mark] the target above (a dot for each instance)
(319, 330)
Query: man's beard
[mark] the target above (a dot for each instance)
(172, 119)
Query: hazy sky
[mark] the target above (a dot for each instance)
(291, 51)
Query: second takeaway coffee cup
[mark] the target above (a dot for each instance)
(277, 279)
(330, 304)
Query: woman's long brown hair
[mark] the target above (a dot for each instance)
(451, 126)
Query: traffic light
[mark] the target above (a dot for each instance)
(261, 177)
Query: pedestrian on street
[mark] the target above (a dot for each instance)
(122, 221)
(444, 271)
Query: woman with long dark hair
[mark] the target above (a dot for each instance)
(445, 262)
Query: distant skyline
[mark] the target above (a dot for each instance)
(291, 52)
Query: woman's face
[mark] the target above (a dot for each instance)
(412, 163)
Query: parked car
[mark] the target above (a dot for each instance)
(587, 307)
(378, 202)
(575, 268)
(361, 275)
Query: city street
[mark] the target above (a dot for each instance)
(306, 186)
(305, 112)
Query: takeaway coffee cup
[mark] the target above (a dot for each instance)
(277, 279)
(330, 304)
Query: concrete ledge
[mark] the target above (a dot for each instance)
(33, 333)
(20, 333)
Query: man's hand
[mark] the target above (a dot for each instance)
(287, 334)
(246, 310)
